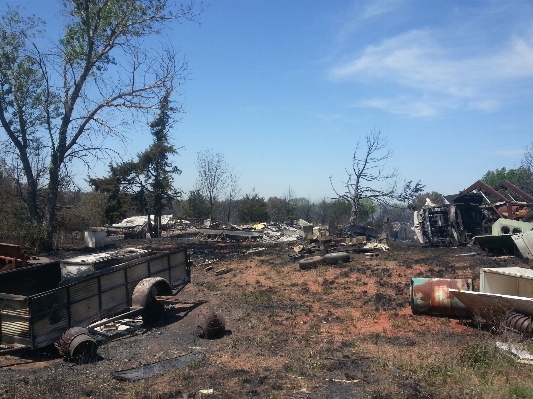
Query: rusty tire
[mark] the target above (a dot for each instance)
(210, 324)
(144, 296)
(336, 257)
(310, 263)
(76, 343)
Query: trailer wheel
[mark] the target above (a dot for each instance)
(144, 297)
(76, 343)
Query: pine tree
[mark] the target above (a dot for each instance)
(157, 169)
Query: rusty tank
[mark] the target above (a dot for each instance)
(432, 296)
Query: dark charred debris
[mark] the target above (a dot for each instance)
(114, 277)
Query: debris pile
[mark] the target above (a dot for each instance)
(260, 232)
(471, 214)
(505, 297)
(13, 257)
(320, 247)
(85, 264)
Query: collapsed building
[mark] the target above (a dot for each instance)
(471, 213)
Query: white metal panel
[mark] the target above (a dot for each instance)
(84, 311)
(516, 281)
(115, 298)
(525, 287)
(159, 264)
(113, 279)
(499, 284)
(138, 272)
(489, 306)
(524, 243)
(510, 271)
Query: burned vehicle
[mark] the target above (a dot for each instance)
(450, 224)
(471, 213)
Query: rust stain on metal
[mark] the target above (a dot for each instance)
(12, 257)
(432, 296)
(76, 342)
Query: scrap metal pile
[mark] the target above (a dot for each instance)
(319, 247)
(505, 297)
(13, 257)
(259, 232)
(479, 213)
(137, 226)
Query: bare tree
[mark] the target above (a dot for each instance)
(212, 176)
(368, 179)
(87, 89)
(527, 162)
(233, 191)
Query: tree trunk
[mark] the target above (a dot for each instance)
(49, 220)
(31, 191)
(150, 226)
(354, 215)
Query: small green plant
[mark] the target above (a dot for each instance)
(312, 365)
(480, 353)
(520, 391)
(441, 371)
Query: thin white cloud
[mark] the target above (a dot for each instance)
(351, 19)
(409, 106)
(375, 8)
(518, 153)
(417, 61)
(486, 105)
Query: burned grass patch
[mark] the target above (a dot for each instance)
(326, 333)
(381, 302)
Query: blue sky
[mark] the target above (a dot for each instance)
(285, 89)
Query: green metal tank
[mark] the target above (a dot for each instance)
(432, 296)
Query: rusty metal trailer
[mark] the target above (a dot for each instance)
(36, 307)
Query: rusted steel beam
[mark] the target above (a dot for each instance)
(480, 186)
(516, 190)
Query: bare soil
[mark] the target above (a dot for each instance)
(342, 331)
